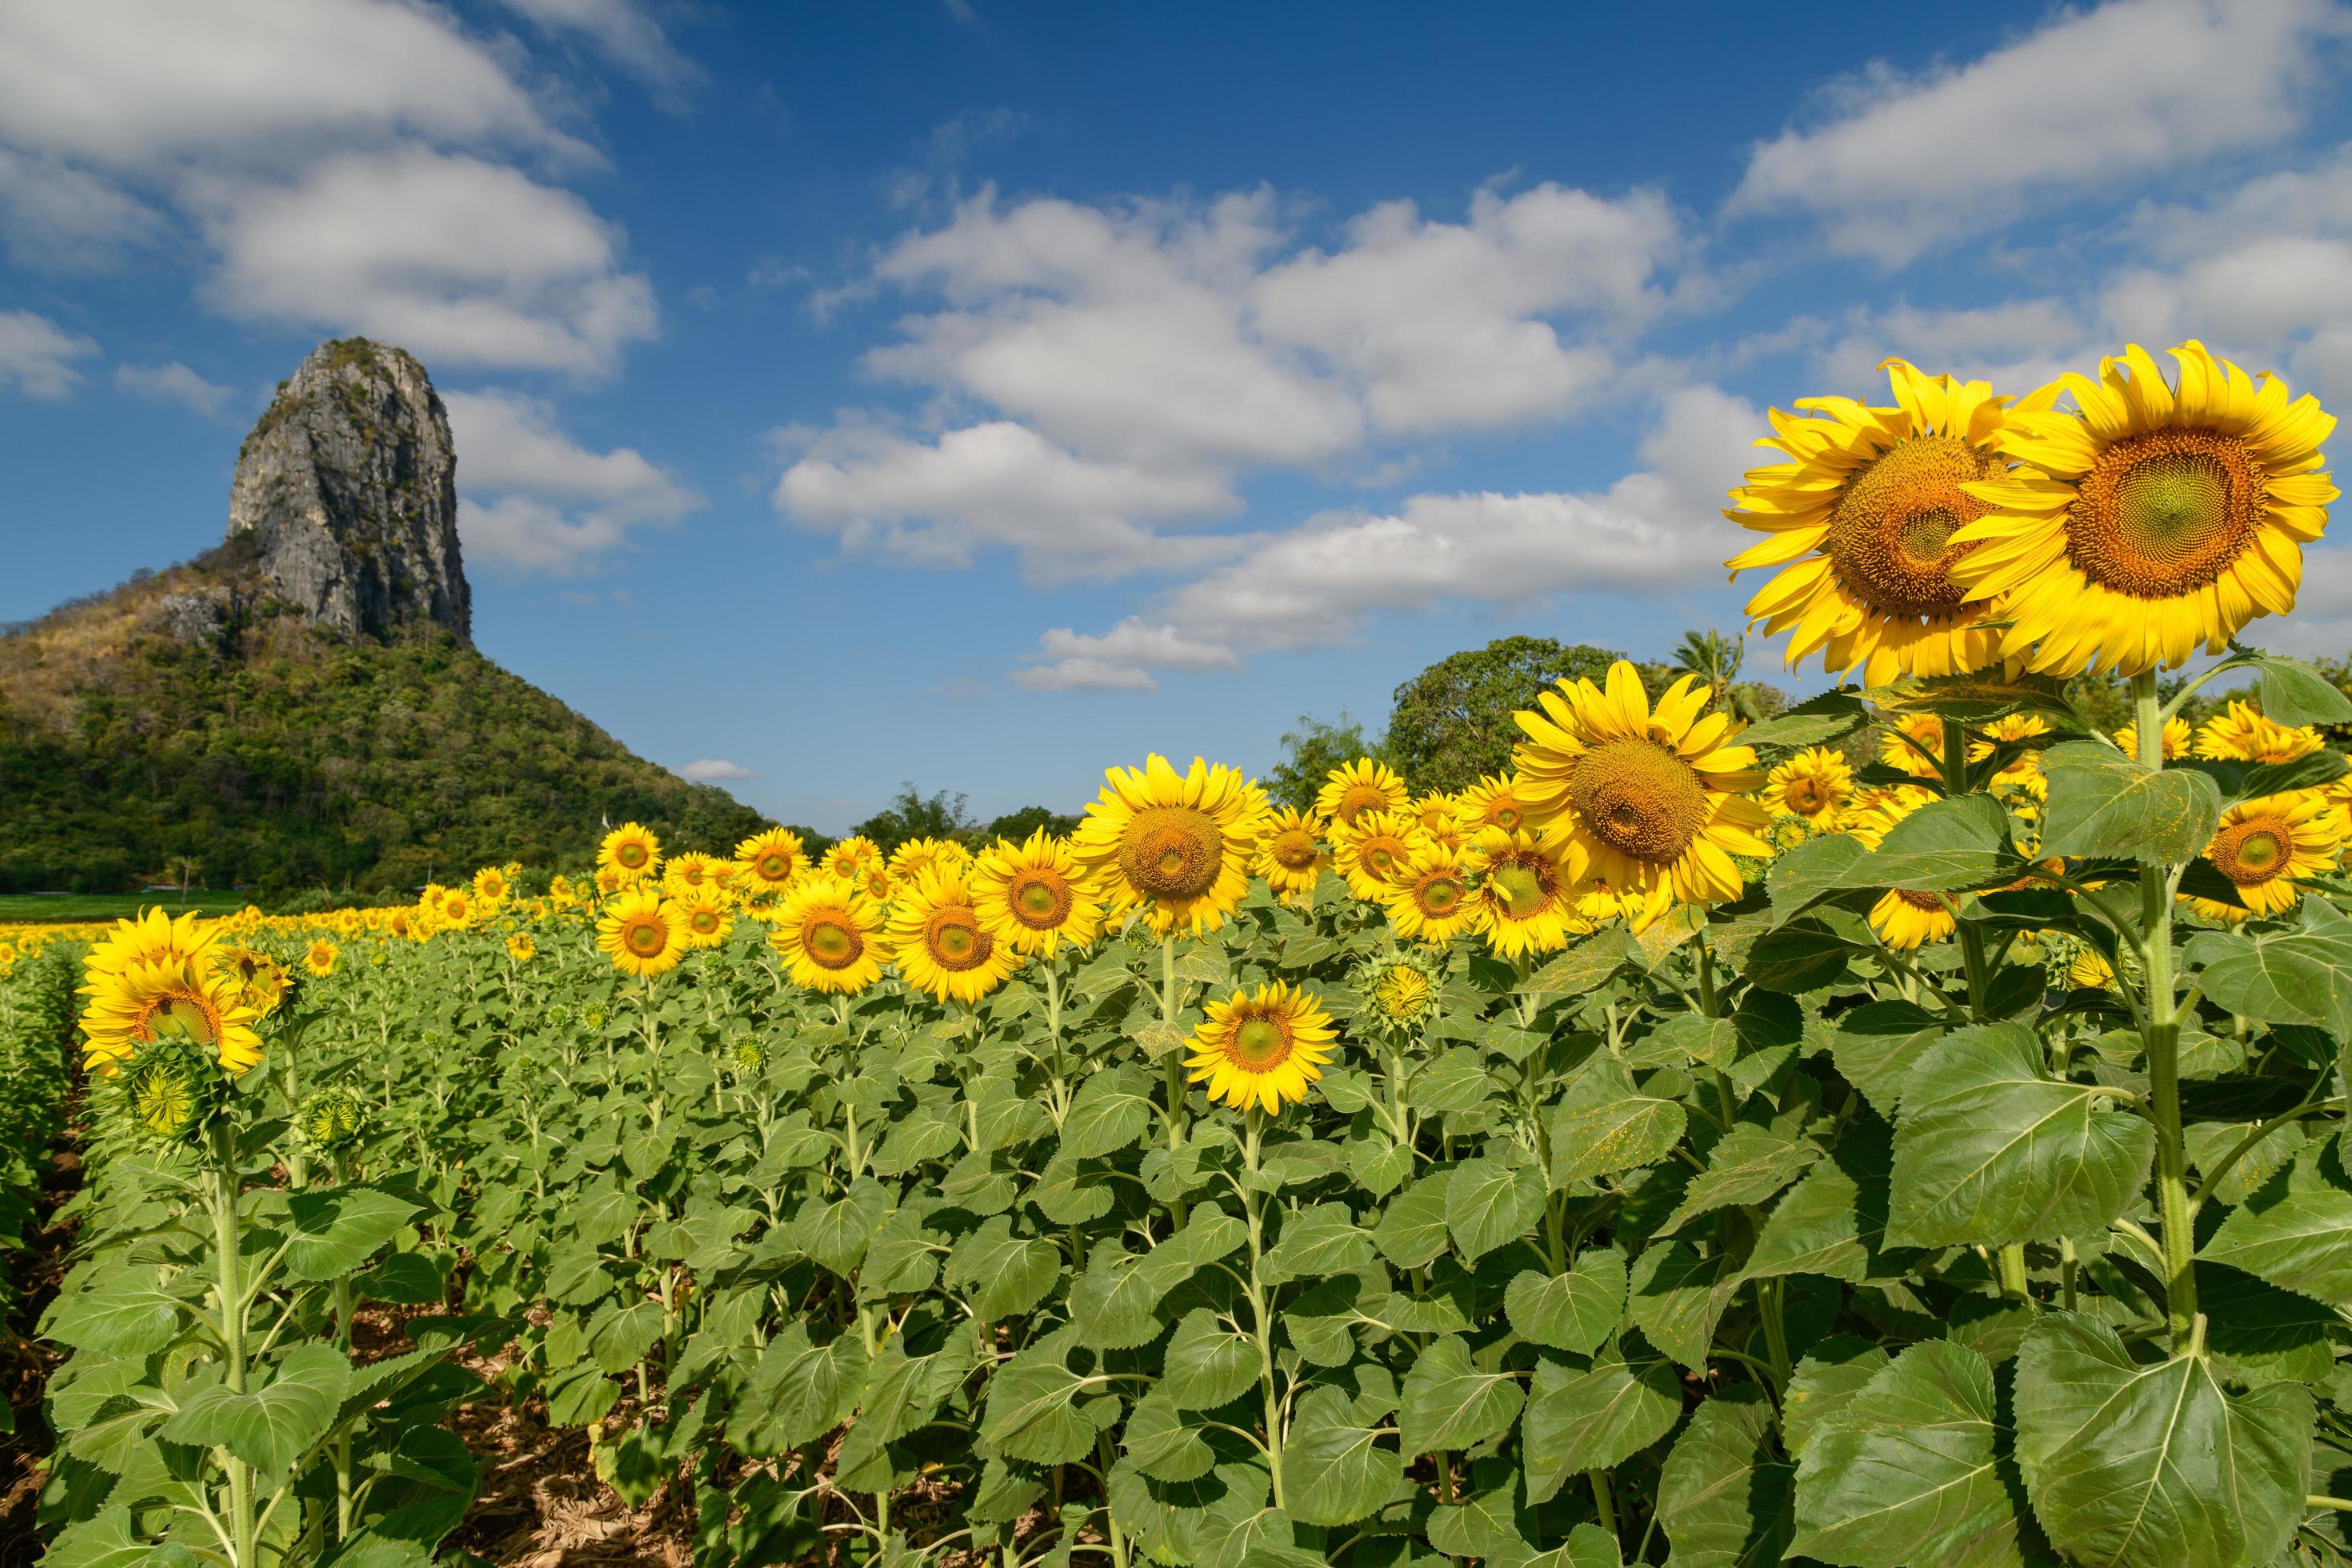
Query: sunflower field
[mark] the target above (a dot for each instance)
(1906, 1131)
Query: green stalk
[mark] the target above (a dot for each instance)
(242, 1524)
(1175, 1056)
(2161, 1029)
(2009, 1260)
(344, 1305)
(1252, 1127)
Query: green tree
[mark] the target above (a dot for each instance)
(911, 813)
(1017, 826)
(1309, 753)
(1712, 657)
(1452, 723)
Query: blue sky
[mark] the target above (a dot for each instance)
(978, 394)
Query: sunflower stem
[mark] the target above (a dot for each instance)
(2161, 1027)
(1175, 1057)
(234, 1306)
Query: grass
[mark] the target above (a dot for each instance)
(49, 908)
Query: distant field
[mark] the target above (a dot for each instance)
(49, 906)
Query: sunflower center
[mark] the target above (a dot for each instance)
(1890, 536)
(1358, 799)
(772, 867)
(1805, 797)
(1639, 798)
(1524, 886)
(631, 855)
(1439, 893)
(832, 942)
(1261, 1043)
(1293, 850)
(1041, 900)
(1403, 993)
(1504, 815)
(645, 938)
(1381, 854)
(1172, 851)
(1932, 902)
(704, 922)
(955, 941)
(2249, 853)
(2165, 513)
(179, 1016)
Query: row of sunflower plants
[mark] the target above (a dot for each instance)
(36, 1021)
(1691, 1148)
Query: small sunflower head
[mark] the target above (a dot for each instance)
(171, 1091)
(1397, 992)
(747, 1055)
(333, 1119)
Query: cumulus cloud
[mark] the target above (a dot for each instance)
(2016, 345)
(58, 217)
(36, 355)
(1653, 530)
(536, 501)
(714, 770)
(460, 260)
(173, 381)
(2091, 98)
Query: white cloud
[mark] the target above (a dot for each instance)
(997, 485)
(2090, 99)
(1443, 324)
(1653, 530)
(459, 260)
(173, 381)
(36, 354)
(58, 217)
(2321, 623)
(2017, 345)
(535, 500)
(714, 770)
(621, 30)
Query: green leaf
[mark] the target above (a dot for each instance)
(1413, 1229)
(1835, 1221)
(1603, 1125)
(272, 1428)
(1722, 1494)
(1450, 1403)
(1746, 1166)
(1879, 1044)
(579, 1393)
(333, 1230)
(1033, 1411)
(2281, 977)
(1006, 1274)
(1572, 1312)
(1905, 1471)
(1489, 1201)
(1815, 721)
(1593, 1415)
(1336, 1467)
(2103, 804)
(1677, 1296)
(1111, 1303)
(2155, 1464)
(836, 1234)
(1456, 1081)
(1112, 1112)
(1584, 967)
(1946, 844)
(2300, 1241)
(105, 1541)
(1159, 1442)
(1833, 1372)
(1991, 1149)
(126, 1315)
(1208, 1361)
(619, 1335)
(2294, 693)
(796, 1392)
(1804, 955)
(2263, 1333)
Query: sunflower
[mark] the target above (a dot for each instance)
(1357, 787)
(1904, 920)
(702, 916)
(156, 981)
(629, 853)
(692, 872)
(2087, 971)
(1175, 847)
(1492, 802)
(491, 886)
(2241, 734)
(1440, 817)
(2159, 520)
(1261, 1048)
(559, 889)
(1815, 785)
(767, 863)
(940, 945)
(2176, 739)
(1652, 803)
(260, 979)
(403, 922)
(1430, 899)
(1913, 742)
(454, 908)
(826, 931)
(917, 856)
(1525, 896)
(1031, 898)
(1371, 852)
(2020, 784)
(521, 948)
(319, 957)
(1399, 990)
(2263, 845)
(1865, 517)
(640, 931)
(854, 855)
(1291, 856)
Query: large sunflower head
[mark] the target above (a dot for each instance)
(2264, 847)
(1174, 847)
(2159, 520)
(1372, 852)
(1431, 900)
(1291, 856)
(630, 853)
(491, 886)
(854, 855)
(1032, 897)
(1263, 1048)
(829, 935)
(455, 908)
(1865, 517)
(640, 931)
(940, 945)
(1816, 784)
(1642, 799)
(691, 871)
(917, 856)
(2241, 734)
(767, 863)
(260, 979)
(156, 981)
(703, 916)
(1525, 897)
(1357, 787)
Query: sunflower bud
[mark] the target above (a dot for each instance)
(747, 1055)
(333, 1120)
(1398, 992)
(171, 1091)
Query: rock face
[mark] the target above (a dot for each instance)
(349, 488)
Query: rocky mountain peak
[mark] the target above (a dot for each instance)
(347, 485)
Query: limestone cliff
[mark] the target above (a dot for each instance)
(348, 487)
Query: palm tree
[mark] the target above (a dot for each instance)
(1713, 658)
